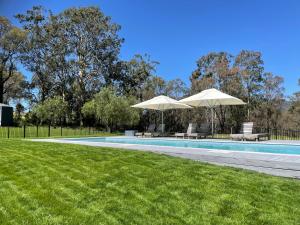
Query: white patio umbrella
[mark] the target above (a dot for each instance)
(211, 98)
(161, 103)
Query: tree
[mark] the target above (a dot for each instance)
(249, 66)
(93, 47)
(18, 113)
(11, 39)
(112, 110)
(215, 70)
(294, 111)
(154, 86)
(36, 55)
(15, 88)
(52, 110)
(269, 111)
(136, 73)
(176, 88)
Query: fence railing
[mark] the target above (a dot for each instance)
(274, 134)
(46, 131)
(280, 134)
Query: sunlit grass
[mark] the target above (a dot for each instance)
(47, 183)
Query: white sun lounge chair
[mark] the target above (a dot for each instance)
(151, 128)
(156, 133)
(247, 133)
(192, 131)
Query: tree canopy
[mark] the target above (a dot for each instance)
(74, 58)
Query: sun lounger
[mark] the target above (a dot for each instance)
(150, 129)
(200, 132)
(191, 131)
(246, 130)
(139, 134)
(157, 133)
(248, 135)
(204, 130)
(256, 137)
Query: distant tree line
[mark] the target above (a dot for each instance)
(78, 77)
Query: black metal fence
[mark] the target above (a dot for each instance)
(280, 134)
(274, 134)
(47, 131)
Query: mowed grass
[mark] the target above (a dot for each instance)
(47, 183)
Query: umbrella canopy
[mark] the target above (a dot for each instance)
(211, 98)
(161, 103)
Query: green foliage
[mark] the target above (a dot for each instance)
(11, 40)
(138, 71)
(52, 110)
(89, 109)
(36, 50)
(70, 58)
(269, 111)
(47, 183)
(293, 114)
(112, 110)
(241, 76)
(18, 115)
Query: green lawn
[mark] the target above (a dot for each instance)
(46, 183)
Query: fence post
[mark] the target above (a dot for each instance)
(61, 129)
(24, 131)
(49, 130)
(89, 130)
(37, 130)
(8, 132)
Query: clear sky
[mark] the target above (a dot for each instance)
(177, 33)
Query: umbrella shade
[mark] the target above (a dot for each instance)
(161, 103)
(211, 98)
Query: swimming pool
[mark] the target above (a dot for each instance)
(212, 145)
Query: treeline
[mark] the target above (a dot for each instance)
(78, 77)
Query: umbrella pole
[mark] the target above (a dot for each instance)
(162, 121)
(212, 122)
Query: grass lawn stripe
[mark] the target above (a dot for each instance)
(47, 183)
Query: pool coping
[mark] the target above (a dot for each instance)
(285, 165)
(269, 142)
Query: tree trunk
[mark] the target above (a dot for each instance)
(1, 87)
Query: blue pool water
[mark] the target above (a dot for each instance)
(213, 145)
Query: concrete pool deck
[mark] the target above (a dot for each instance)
(274, 164)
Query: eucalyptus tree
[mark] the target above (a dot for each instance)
(36, 55)
(269, 111)
(154, 86)
(215, 70)
(294, 110)
(136, 73)
(176, 88)
(16, 87)
(93, 46)
(249, 66)
(11, 39)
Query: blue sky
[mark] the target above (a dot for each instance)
(177, 33)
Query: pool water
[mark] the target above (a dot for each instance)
(212, 145)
